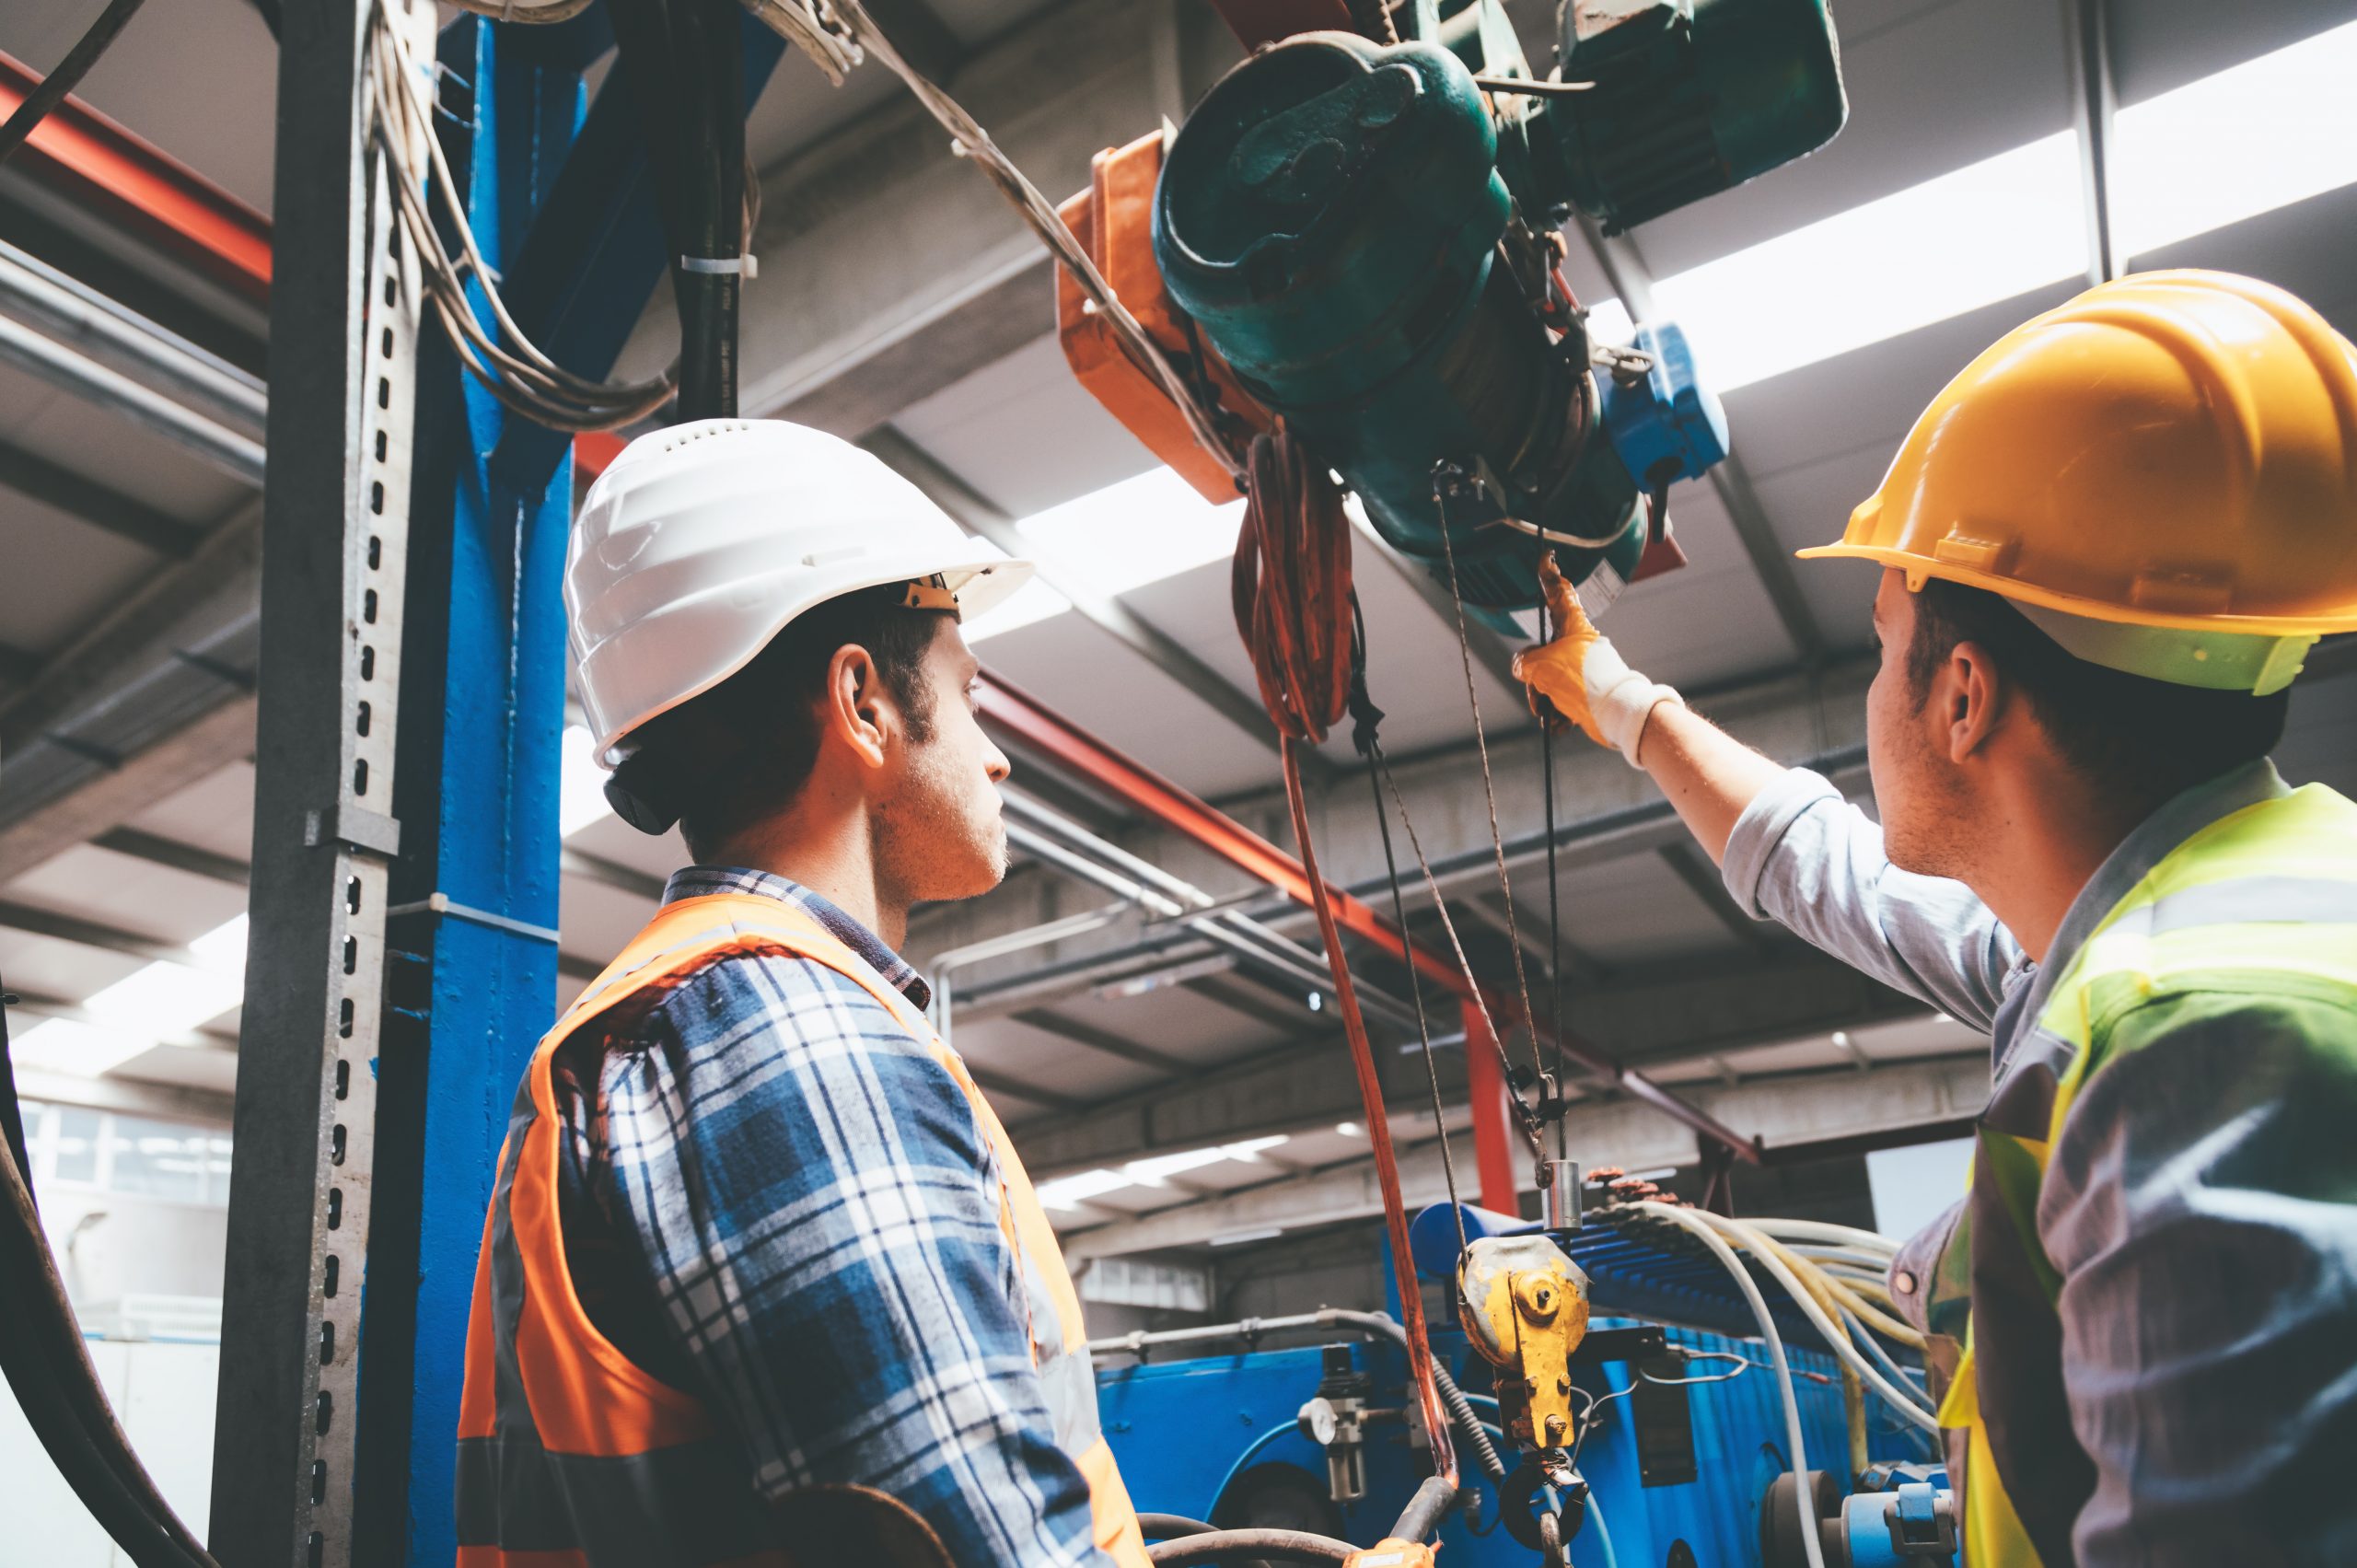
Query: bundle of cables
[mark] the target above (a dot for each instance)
(49, 1368)
(1830, 1271)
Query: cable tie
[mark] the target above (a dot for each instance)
(442, 903)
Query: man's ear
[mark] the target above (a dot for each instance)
(1972, 697)
(858, 710)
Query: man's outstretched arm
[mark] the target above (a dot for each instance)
(1789, 847)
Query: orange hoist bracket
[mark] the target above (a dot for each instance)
(1112, 220)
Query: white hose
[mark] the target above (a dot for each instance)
(1692, 1220)
(1875, 1262)
(1905, 1404)
(1816, 1230)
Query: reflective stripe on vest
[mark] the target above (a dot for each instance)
(572, 1457)
(2263, 897)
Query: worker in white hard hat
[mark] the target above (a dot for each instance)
(2106, 549)
(759, 1251)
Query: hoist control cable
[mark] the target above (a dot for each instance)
(1291, 592)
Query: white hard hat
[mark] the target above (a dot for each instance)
(699, 542)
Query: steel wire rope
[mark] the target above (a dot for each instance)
(1489, 789)
(1290, 591)
(1364, 737)
(969, 140)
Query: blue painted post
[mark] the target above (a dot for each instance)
(483, 680)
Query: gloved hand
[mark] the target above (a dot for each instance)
(1582, 675)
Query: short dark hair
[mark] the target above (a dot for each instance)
(2146, 739)
(726, 758)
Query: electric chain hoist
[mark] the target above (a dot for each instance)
(1362, 239)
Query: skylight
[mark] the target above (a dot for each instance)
(581, 784)
(1068, 1193)
(1148, 527)
(147, 1007)
(2241, 141)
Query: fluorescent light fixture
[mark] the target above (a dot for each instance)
(1249, 1151)
(1349, 1129)
(1150, 1171)
(1145, 529)
(581, 784)
(1237, 1238)
(2241, 141)
(223, 947)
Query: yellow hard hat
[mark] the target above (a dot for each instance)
(2162, 473)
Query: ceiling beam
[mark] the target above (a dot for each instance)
(597, 868)
(110, 796)
(159, 851)
(34, 922)
(74, 1012)
(921, 37)
(1692, 867)
(85, 500)
(977, 513)
(1800, 1108)
(997, 1083)
(133, 1097)
(1671, 1016)
(1103, 1042)
(1624, 267)
(16, 664)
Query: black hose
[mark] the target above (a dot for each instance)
(1169, 1526)
(1277, 1546)
(1423, 1512)
(1460, 1409)
(49, 1367)
(67, 77)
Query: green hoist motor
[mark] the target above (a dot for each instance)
(1368, 237)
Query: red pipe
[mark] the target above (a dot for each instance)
(99, 167)
(1493, 1137)
(1048, 733)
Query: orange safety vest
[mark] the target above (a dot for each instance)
(570, 1455)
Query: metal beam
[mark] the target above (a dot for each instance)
(977, 513)
(1624, 267)
(36, 922)
(159, 851)
(99, 167)
(1102, 1040)
(1801, 1109)
(997, 1083)
(111, 795)
(134, 1097)
(235, 454)
(2086, 34)
(334, 580)
(607, 872)
(1673, 1017)
(120, 339)
(920, 35)
(1690, 867)
(55, 486)
(73, 1012)
(17, 665)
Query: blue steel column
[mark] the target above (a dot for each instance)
(479, 768)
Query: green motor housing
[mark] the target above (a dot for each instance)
(1330, 216)
(1691, 98)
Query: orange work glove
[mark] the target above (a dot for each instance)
(1392, 1553)
(1584, 675)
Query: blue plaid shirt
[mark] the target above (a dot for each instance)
(776, 1199)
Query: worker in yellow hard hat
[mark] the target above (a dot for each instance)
(2106, 548)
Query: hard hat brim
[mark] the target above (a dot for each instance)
(1918, 566)
(981, 582)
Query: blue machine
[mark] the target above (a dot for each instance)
(1679, 1472)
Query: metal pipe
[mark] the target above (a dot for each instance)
(948, 961)
(80, 317)
(238, 456)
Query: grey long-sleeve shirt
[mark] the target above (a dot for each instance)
(2200, 1203)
